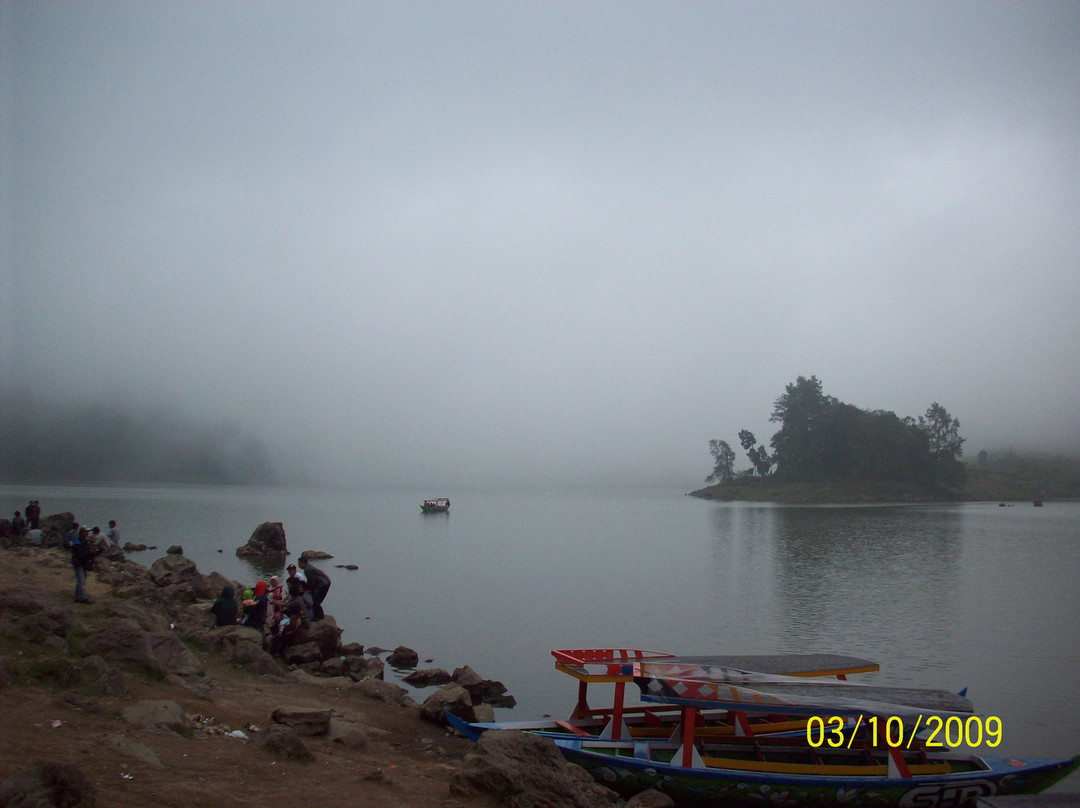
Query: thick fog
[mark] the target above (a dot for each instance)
(447, 244)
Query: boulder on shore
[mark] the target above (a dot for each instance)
(267, 539)
(448, 699)
(522, 769)
(402, 657)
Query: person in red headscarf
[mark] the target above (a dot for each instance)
(255, 608)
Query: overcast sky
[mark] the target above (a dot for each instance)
(454, 243)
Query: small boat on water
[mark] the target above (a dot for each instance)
(440, 505)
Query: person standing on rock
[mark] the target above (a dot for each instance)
(33, 514)
(318, 584)
(82, 559)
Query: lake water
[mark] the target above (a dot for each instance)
(948, 596)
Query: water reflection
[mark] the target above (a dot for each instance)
(871, 581)
(262, 567)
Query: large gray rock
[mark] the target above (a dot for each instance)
(428, 677)
(125, 644)
(55, 527)
(132, 749)
(156, 713)
(181, 579)
(32, 614)
(379, 690)
(449, 698)
(526, 771)
(302, 654)
(243, 646)
(254, 657)
(326, 634)
(483, 690)
(282, 741)
(303, 720)
(403, 657)
(650, 799)
(104, 678)
(268, 539)
(347, 733)
(364, 668)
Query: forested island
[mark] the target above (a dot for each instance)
(43, 440)
(828, 451)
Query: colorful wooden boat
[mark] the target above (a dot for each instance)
(802, 776)
(867, 771)
(440, 505)
(619, 667)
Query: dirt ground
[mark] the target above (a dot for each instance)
(407, 762)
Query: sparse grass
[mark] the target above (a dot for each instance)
(55, 672)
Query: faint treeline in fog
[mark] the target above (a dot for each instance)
(92, 442)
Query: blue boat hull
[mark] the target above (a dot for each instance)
(726, 787)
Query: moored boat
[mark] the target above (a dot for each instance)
(438, 505)
(803, 776)
(861, 763)
(620, 666)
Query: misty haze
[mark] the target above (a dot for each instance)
(437, 245)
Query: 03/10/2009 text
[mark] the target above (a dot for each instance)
(939, 732)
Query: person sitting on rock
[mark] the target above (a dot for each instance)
(18, 525)
(255, 608)
(97, 538)
(292, 631)
(318, 584)
(113, 533)
(276, 599)
(224, 608)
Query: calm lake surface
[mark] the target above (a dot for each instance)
(947, 596)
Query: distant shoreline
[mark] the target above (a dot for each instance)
(843, 493)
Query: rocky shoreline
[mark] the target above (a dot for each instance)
(137, 700)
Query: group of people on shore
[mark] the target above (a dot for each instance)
(25, 528)
(286, 609)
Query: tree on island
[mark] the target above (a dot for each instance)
(759, 456)
(723, 462)
(823, 439)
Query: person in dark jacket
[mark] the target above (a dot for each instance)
(225, 608)
(318, 584)
(82, 560)
(33, 514)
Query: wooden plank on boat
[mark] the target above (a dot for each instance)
(802, 697)
(787, 664)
